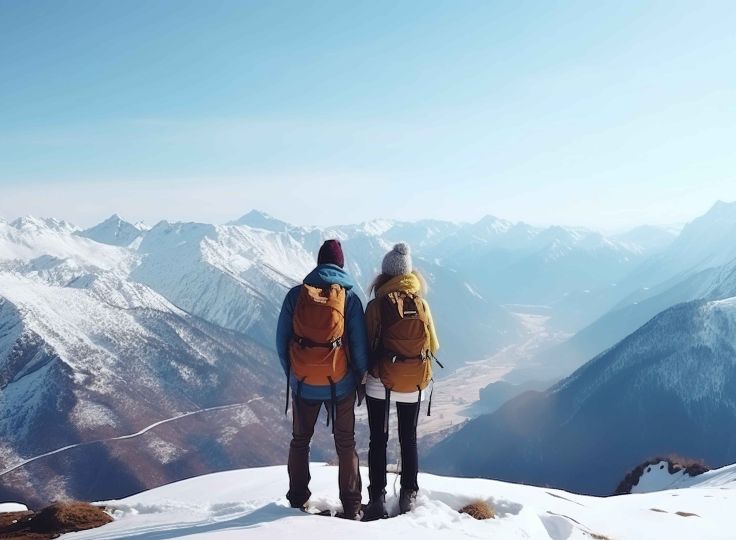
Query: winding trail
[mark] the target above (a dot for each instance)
(130, 436)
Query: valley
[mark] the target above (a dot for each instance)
(455, 396)
(113, 338)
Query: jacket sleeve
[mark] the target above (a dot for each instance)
(434, 343)
(357, 337)
(372, 320)
(284, 330)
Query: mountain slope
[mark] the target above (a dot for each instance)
(556, 266)
(251, 503)
(562, 359)
(107, 332)
(114, 231)
(78, 370)
(232, 276)
(670, 387)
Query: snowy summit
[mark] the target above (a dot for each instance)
(250, 504)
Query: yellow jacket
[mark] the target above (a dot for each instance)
(409, 283)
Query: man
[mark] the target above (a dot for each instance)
(323, 348)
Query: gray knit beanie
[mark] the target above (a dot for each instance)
(397, 262)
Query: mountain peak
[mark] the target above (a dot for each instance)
(261, 220)
(492, 224)
(722, 209)
(114, 231)
(32, 222)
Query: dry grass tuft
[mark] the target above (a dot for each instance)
(686, 514)
(52, 521)
(69, 516)
(479, 510)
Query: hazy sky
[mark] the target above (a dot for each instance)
(595, 113)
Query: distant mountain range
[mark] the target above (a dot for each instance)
(689, 269)
(668, 388)
(107, 331)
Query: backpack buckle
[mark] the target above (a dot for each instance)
(337, 343)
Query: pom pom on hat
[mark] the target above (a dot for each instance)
(397, 262)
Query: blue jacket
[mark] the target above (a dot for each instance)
(357, 340)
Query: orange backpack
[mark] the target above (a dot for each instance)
(404, 361)
(317, 354)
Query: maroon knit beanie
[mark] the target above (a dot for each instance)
(331, 253)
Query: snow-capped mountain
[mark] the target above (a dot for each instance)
(650, 237)
(90, 355)
(251, 503)
(101, 338)
(107, 331)
(502, 261)
(713, 283)
(232, 276)
(706, 242)
(668, 388)
(114, 231)
(101, 359)
(261, 220)
(555, 266)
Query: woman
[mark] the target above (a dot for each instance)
(403, 342)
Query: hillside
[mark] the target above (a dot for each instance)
(107, 331)
(668, 388)
(251, 503)
(699, 264)
(81, 373)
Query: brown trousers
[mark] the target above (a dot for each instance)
(305, 414)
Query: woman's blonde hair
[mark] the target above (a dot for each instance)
(381, 279)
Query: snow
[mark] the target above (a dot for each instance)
(20, 463)
(13, 507)
(658, 478)
(114, 231)
(472, 291)
(164, 451)
(251, 502)
(692, 331)
(28, 238)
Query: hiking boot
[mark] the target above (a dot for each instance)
(407, 498)
(375, 509)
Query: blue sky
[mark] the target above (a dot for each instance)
(605, 114)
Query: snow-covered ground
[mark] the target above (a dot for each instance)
(251, 504)
(657, 477)
(12, 507)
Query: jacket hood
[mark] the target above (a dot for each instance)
(329, 274)
(409, 283)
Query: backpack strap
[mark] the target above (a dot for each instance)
(288, 387)
(400, 357)
(375, 347)
(435, 359)
(331, 407)
(388, 411)
(419, 404)
(429, 406)
(306, 342)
